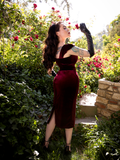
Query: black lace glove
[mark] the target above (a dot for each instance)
(84, 29)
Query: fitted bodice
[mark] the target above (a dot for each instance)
(67, 63)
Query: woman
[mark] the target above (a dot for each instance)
(66, 82)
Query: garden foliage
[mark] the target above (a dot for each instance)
(26, 91)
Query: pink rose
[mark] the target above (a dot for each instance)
(59, 16)
(118, 39)
(36, 36)
(16, 38)
(77, 26)
(36, 46)
(67, 19)
(31, 38)
(99, 75)
(19, 31)
(35, 5)
(57, 11)
(53, 8)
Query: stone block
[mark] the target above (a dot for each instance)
(107, 92)
(113, 107)
(101, 92)
(116, 96)
(119, 89)
(100, 105)
(108, 96)
(113, 102)
(101, 100)
(103, 81)
(106, 113)
(98, 110)
(110, 88)
(103, 86)
(117, 84)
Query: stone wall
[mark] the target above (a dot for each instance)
(108, 98)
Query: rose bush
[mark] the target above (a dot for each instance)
(26, 91)
(112, 51)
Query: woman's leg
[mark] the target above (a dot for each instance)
(49, 129)
(68, 133)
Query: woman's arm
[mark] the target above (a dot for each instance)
(82, 52)
(78, 52)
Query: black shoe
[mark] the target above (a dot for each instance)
(67, 150)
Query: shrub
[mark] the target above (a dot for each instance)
(105, 138)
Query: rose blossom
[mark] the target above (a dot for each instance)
(77, 26)
(85, 86)
(67, 19)
(53, 8)
(36, 36)
(59, 16)
(99, 75)
(57, 11)
(118, 39)
(16, 38)
(31, 38)
(23, 22)
(36, 46)
(35, 5)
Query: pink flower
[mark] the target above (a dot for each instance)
(116, 45)
(25, 39)
(57, 11)
(36, 36)
(92, 69)
(59, 16)
(69, 23)
(53, 8)
(109, 63)
(106, 59)
(98, 50)
(77, 26)
(118, 39)
(23, 22)
(35, 5)
(36, 46)
(85, 86)
(16, 38)
(19, 31)
(67, 19)
(99, 75)
(31, 38)
(13, 45)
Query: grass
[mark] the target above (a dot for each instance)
(79, 146)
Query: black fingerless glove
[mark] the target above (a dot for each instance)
(53, 73)
(84, 29)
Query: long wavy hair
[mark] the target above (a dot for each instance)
(51, 46)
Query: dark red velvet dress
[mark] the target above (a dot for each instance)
(66, 84)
